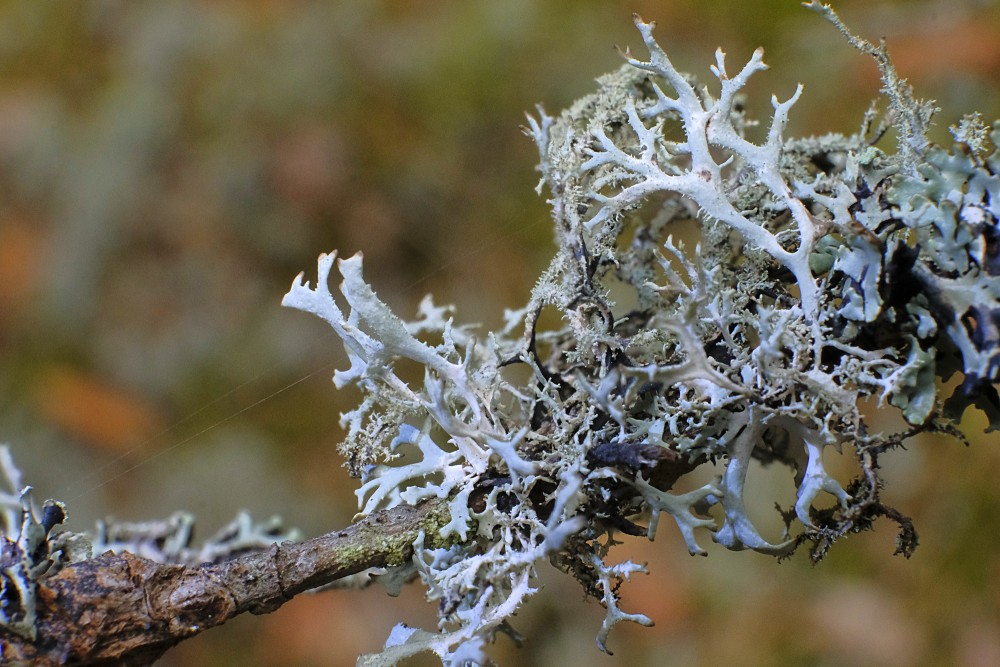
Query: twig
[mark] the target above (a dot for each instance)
(128, 610)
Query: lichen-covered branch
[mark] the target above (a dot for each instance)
(816, 277)
(126, 609)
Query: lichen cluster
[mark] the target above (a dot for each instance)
(718, 300)
(819, 275)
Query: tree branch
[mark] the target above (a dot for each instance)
(127, 610)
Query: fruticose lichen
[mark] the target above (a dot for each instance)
(818, 277)
(824, 274)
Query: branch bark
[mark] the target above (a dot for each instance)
(126, 610)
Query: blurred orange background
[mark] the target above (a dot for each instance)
(166, 169)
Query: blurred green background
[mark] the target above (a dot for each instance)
(166, 169)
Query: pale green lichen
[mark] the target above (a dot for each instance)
(825, 272)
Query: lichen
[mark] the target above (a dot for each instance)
(824, 274)
(721, 301)
(30, 548)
